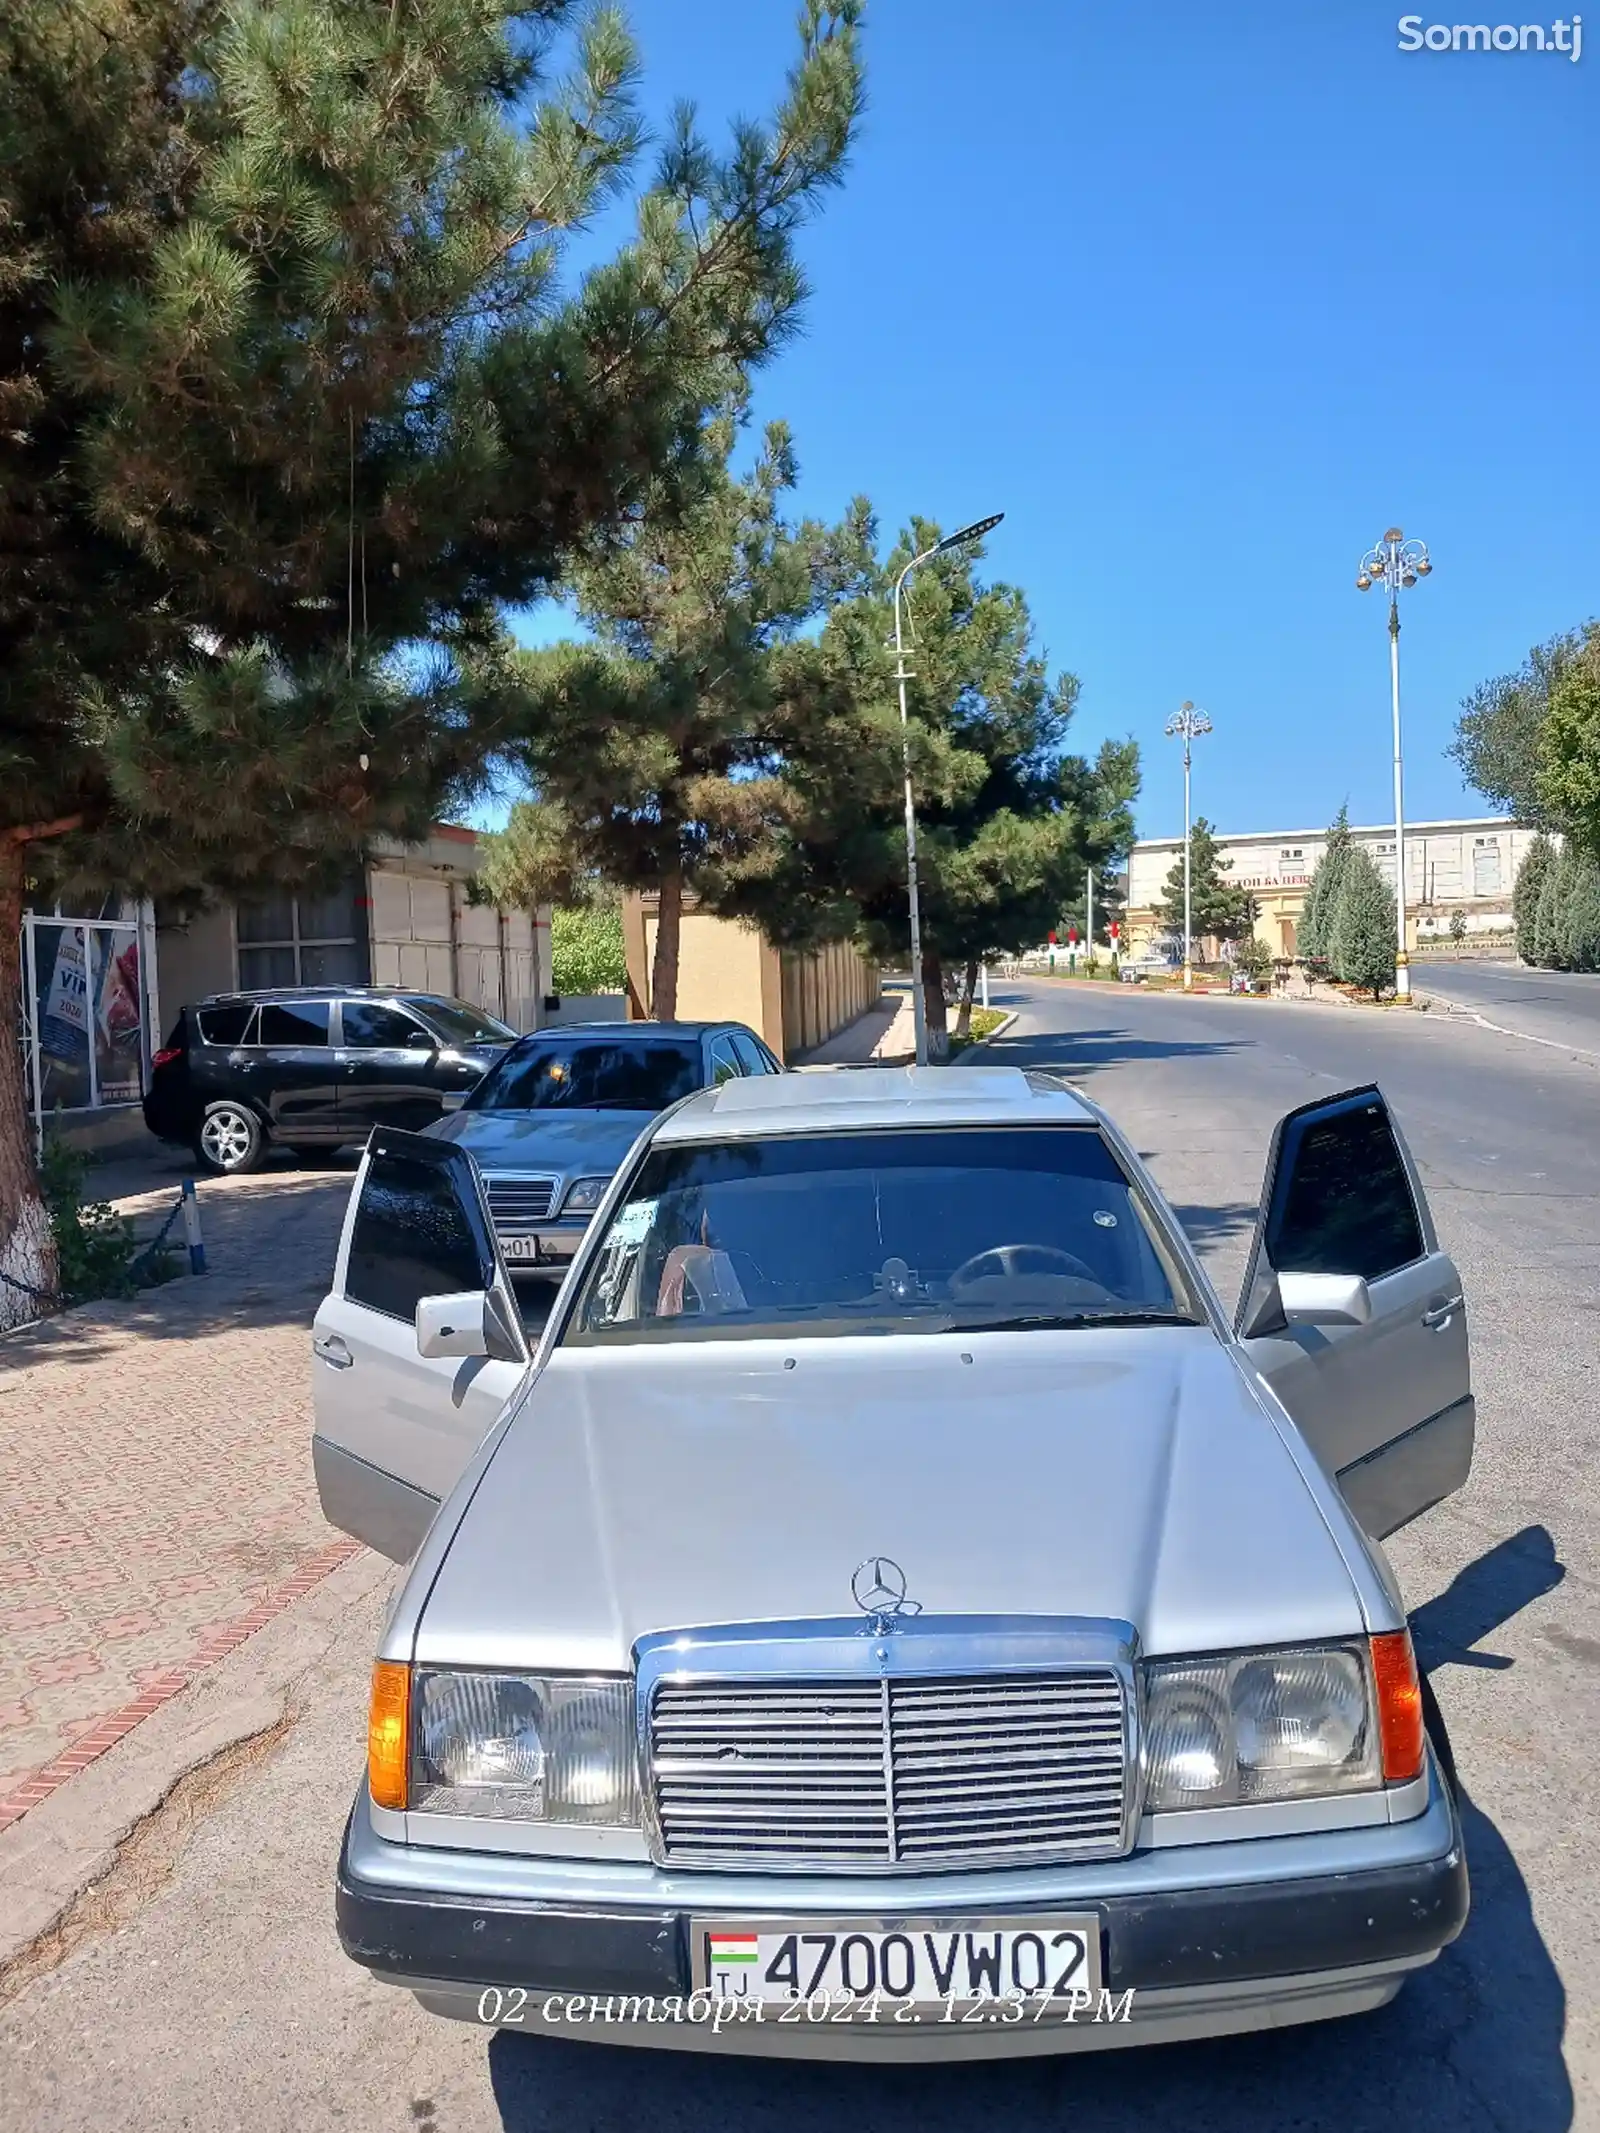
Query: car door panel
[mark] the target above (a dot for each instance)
(395, 1429)
(389, 1070)
(1386, 1406)
(298, 1072)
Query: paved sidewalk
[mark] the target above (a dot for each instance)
(163, 1505)
(883, 1036)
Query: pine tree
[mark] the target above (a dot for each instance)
(1007, 820)
(1322, 891)
(1362, 926)
(1549, 915)
(1583, 916)
(1221, 911)
(289, 389)
(1536, 864)
(656, 748)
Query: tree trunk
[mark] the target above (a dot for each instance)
(933, 1002)
(27, 1249)
(664, 970)
(969, 985)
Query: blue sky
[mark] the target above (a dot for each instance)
(1204, 298)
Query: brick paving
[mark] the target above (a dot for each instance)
(159, 1503)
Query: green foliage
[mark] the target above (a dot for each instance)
(1322, 891)
(1537, 862)
(94, 1245)
(1567, 919)
(1569, 763)
(1503, 743)
(657, 749)
(1220, 910)
(1458, 926)
(1256, 959)
(1007, 819)
(1362, 931)
(1549, 916)
(586, 952)
(981, 1023)
(1582, 931)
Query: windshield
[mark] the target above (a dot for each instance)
(589, 1074)
(938, 1230)
(458, 1023)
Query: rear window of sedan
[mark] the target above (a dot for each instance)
(937, 1230)
(589, 1074)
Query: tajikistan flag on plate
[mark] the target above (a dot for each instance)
(732, 1947)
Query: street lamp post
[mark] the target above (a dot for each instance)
(1191, 724)
(1394, 563)
(919, 1006)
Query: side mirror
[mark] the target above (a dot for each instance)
(452, 1099)
(1325, 1299)
(452, 1325)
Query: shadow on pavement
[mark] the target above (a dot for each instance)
(1082, 1052)
(1483, 1598)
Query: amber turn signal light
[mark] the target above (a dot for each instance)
(389, 1734)
(1400, 1727)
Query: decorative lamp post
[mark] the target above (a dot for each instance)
(1190, 723)
(1394, 563)
(919, 1006)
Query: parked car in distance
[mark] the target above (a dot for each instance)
(892, 1610)
(559, 1111)
(312, 1067)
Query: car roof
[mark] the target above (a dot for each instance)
(635, 1032)
(328, 992)
(846, 1099)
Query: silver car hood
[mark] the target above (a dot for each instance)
(1121, 1473)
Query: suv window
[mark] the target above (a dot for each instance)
(725, 1065)
(411, 1239)
(294, 1022)
(1344, 1203)
(225, 1025)
(752, 1059)
(370, 1026)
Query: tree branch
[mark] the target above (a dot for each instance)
(32, 832)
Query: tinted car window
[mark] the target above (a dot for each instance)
(411, 1239)
(916, 1231)
(225, 1025)
(589, 1074)
(294, 1022)
(752, 1059)
(370, 1026)
(1344, 1203)
(724, 1065)
(457, 1023)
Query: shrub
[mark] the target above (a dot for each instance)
(94, 1244)
(586, 953)
(1536, 864)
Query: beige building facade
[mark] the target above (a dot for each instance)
(730, 972)
(1468, 865)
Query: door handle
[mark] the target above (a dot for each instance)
(333, 1350)
(1440, 1316)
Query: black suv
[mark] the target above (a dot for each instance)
(308, 1067)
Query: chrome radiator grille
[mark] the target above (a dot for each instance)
(516, 1204)
(926, 1771)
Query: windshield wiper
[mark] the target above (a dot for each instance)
(1024, 1320)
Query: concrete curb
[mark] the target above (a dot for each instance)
(70, 1839)
(976, 1044)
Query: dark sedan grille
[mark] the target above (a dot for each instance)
(518, 1205)
(934, 1771)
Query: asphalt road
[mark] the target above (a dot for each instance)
(221, 1999)
(1552, 1007)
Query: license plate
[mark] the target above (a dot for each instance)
(525, 1249)
(1049, 1963)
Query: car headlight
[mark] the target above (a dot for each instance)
(584, 1196)
(1249, 1726)
(524, 1747)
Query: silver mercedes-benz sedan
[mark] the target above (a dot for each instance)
(893, 1611)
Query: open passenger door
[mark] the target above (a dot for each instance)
(1354, 1315)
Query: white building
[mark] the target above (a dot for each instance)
(1468, 865)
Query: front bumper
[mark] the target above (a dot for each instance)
(1212, 1939)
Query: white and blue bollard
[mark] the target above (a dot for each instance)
(191, 1228)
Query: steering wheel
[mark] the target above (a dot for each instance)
(1020, 1259)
